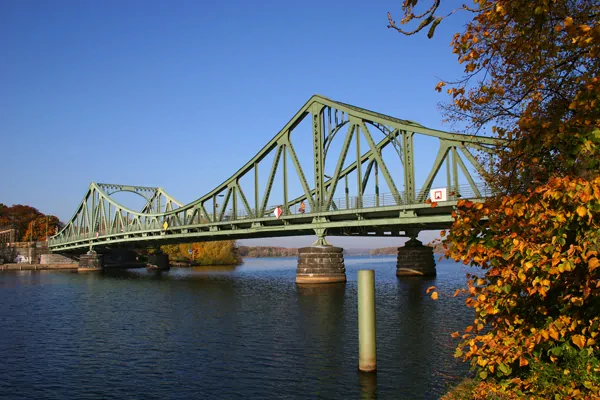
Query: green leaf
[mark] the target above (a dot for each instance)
(506, 370)
(483, 374)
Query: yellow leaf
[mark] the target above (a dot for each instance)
(593, 264)
(568, 21)
(434, 295)
(581, 211)
(579, 341)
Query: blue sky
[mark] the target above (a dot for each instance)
(181, 94)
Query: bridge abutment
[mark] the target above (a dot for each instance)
(91, 261)
(158, 261)
(414, 259)
(320, 264)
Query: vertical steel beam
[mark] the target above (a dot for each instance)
(319, 158)
(376, 185)
(448, 176)
(256, 196)
(285, 181)
(409, 167)
(234, 199)
(358, 169)
(214, 208)
(347, 191)
(455, 170)
(92, 215)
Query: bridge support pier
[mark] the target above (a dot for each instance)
(320, 264)
(158, 261)
(414, 259)
(91, 261)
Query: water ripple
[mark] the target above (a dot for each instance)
(245, 332)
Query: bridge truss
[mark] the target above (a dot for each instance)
(333, 198)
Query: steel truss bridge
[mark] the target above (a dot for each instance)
(243, 205)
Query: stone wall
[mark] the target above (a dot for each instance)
(24, 252)
(56, 259)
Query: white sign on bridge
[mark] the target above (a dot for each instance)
(438, 194)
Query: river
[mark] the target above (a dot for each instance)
(241, 332)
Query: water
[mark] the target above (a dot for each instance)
(245, 332)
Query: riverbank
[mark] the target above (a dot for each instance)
(37, 267)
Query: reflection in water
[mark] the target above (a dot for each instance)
(321, 310)
(417, 332)
(368, 385)
(212, 269)
(221, 332)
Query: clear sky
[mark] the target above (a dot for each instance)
(180, 94)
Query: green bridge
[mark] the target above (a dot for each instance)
(344, 197)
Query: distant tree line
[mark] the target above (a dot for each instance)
(437, 248)
(267, 251)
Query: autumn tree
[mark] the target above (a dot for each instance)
(224, 252)
(28, 221)
(531, 79)
(41, 227)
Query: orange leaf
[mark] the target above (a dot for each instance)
(429, 289)
(581, 211)
(579, 341)
(593, 264)
(568, 21)
(523, 361)
(434, 295)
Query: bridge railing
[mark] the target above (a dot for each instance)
(369, 201)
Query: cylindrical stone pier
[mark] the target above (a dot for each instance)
(158, 261)
(91, 261)
(320, 264)
(414, 259)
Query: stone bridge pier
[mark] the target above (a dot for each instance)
(321, 262)
(414, 259)
(90, 262)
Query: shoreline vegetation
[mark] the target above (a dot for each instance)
(229, 253)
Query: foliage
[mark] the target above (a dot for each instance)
(531, 73)
(28, 221)
(36, 229)
(204, 253)
(267, 251)
(538, 297)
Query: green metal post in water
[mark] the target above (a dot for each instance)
(367, 358)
